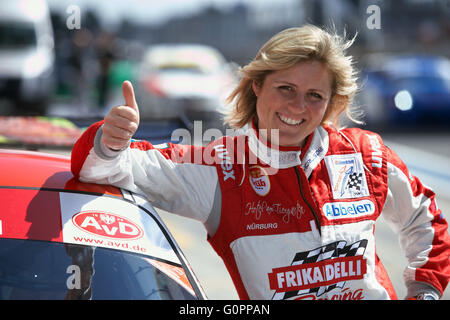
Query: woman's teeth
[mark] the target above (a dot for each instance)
(289, 121)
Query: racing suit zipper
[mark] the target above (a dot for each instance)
(316, 218)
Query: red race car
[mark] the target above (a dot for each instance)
(63, 239)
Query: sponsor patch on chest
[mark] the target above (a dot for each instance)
(259, 180)
(342, 210)
(347, 176)
(319, 271)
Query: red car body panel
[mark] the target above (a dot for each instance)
(41, 170)
(34, 212)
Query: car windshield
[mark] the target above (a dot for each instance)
(52, 270)
(190, 68)
(17, 35)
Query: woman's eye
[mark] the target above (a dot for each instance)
(316, 95)
(286, 88)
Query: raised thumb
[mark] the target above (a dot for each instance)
(128, 94)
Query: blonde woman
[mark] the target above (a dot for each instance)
(289, 205)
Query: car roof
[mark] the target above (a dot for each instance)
(31, 169)
(183, 54)
(410, 65)
(415, 65)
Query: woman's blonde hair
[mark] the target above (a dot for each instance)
(284, 50)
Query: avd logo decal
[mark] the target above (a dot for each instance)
(107, 225)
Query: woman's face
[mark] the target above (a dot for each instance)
(294, 101)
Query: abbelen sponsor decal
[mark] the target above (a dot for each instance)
(343, 210)
(107, 225)
(259, 180)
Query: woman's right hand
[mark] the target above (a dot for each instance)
(122, 121)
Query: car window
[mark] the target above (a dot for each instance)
(17, 35)
(51, 270)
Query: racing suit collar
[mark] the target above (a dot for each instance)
(280, 157)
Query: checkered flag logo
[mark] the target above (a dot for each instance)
(355, 181)
(338, 249)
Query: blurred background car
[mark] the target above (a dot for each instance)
(406, 90)
(189, 81)
(26, 55)
(63, 239)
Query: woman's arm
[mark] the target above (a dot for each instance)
(412, 212)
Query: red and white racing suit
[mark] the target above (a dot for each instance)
(289, 223)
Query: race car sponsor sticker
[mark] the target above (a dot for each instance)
(108, 225)
(112, 223)
(347, 176)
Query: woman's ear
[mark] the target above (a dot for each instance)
(256, 88)
(336, 106)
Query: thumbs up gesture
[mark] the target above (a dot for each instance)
(122, 121)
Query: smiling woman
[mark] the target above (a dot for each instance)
(315, 58)
(293, 101)
(279, 212)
